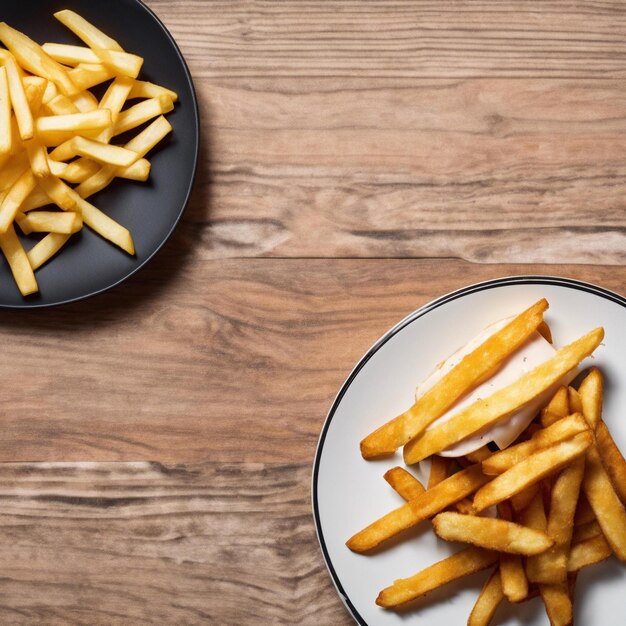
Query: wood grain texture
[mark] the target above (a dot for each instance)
(490, 132)
(145, 543)
(358, 160)
(234, 360)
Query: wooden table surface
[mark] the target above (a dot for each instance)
(358, 160)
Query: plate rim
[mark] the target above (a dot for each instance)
(525, 279)
(196, 118)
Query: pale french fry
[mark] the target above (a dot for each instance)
(488, 601)
(50, 92)
(612, 459)
(439, 467)
(32, 57)
(37, 199)
(487, 411)
(61, 105)
(23, 115)
(86, 31)
(50, 222)
(85, 101)
(12, 170)
(104, 153)
(557, 408)
(57, 168)
(463, 563)
(558, 603)
(430, 503)
(404, 483)
(5, 113)
(456, 383)
(18, 262)
(141, 144)
(531, 470)
(564, 429)
(105, 226)
(88, 75)
(77, 122)
(34, 88)
(491, 533)
(143, 89)
(14, 198)
(512, 574)
(128, 64)
(142, 112)
(46, 249)
(113, 100)
(588, 552)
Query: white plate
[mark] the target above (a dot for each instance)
(349, 492)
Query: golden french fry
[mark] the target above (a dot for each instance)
(605, 503)
(487, 411)
(488, 601)
(558, 603)
(463, 563)
(491, 533)
(612, 459)
(439, 467)
(404, 483)
(430, 503)
(531, 470)
(46, 249)
(50, 222)
(512, 574)
(584, 512)
(551, 566)
(479, 455)
(456, 383)
(36, 199)
(557, 408)
(544, 330)
(564, 429)
(597, 485)
(586, 531)
(18, 262)
(588, 552)
(113, 100)
(590, 392)
(576, 406)
(5, 113)
(32, 57)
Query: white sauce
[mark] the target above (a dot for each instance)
(535, 351)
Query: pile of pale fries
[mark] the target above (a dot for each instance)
(538, 511)
(55, 133)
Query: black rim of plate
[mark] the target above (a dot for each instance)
(196, 117)
(427, 308)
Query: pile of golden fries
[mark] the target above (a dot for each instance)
(55, 133)
(538, 511)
